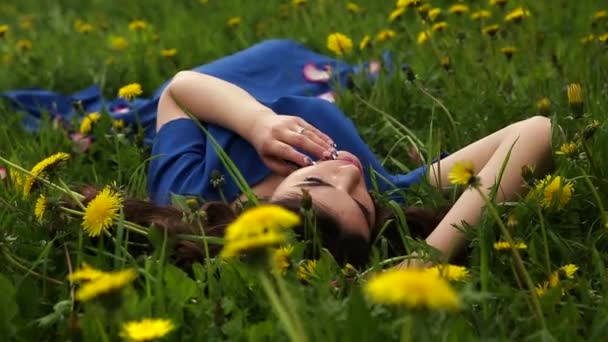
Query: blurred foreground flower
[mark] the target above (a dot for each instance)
(85, 273)
(396, 14)
(434, 13)
(105, 284)
(87, 122)
(450, 272)
(483, 14)
(365, 42)
(438, 27)
(554, 191)
(423, 37)
(147, 329)
(463, 173)
(500, 3)
(412, 288)
(504, 245)
(41, 169)
(101, 212)
(408, 3)
(339, 44)
(130, 91)
(257, 229)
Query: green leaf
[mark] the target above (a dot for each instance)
(9, 307)
(180, 287)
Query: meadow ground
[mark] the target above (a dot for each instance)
(474, 66)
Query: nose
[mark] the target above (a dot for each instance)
(346, 176)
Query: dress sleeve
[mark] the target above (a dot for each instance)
(177, 161)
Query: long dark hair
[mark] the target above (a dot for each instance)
(343, 244)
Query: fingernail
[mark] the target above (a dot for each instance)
(327, 155)
(308, 161)
(314, 162)
(333, 144)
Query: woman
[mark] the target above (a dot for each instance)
(293, 143)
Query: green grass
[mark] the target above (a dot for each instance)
(481, 92)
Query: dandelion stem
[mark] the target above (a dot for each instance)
(280, 310)
(543, 229)
(71, 194)
(519, 264)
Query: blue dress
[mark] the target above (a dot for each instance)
(183, 159)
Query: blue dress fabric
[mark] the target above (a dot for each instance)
(183, 159)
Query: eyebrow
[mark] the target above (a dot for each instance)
(319, 183)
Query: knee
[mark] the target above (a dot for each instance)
(540, 127)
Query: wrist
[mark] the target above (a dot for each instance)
(251, 128)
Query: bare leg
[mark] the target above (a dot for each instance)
(530, 144)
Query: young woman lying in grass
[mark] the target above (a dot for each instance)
(294, 146)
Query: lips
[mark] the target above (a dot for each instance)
(353, 161)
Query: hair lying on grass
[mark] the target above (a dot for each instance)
(345, 245)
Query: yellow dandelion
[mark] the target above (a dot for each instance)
(41, 169)
(450, 272)
(505, 245)
(24, 44)
(490, 30)
(88, 121)
(408, 3)
(541, 289)
(85, 273)
(603, 38)
(353, 7)
(3, 30)
(575, 98)
(423, 37)
(423, 10)
(339, 44)
(434, 13)
(17, 179)
(587, 39)
(512, 220)
(138, 25)
(396, 14)
(458, 9)
(130, 91)
(544, 106)
(257, 229)
(307, 270)
(281, 258)
(553, 279)
(508, 51)
(168, 53)
(500, 3)
(105, 284)
(555, 190)
(463, 173)
(82, 27)
(102, 211)
(298, 3)
(445, 62)
(600, 15)
(482, 14)
(118, 43)
(517, 14)
(365, 42)
(569, 149)
(384, 35)
(590, 129)
(438, 27)
(569, 270)
(118, 125)
(234, 22)
(147, 329)
(40, 207)
(412, 288)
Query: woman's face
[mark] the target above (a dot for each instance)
(338, 188)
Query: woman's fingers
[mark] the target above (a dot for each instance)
(316, 132)
(280, 167)
(304, 143)
(285, 152)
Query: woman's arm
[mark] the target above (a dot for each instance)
(528, 142)
(215, 101)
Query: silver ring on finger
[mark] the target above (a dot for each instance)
(301, 130)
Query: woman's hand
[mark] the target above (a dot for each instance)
(277, 139)
(414, 260)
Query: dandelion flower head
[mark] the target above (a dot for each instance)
(339, 43)
(105, 284)
(147, 329)
(85, 273)
(102, 211)
(450, 272)
(462, 173)
(41, 168)
(307, 270)
(505, 245)
(87, 122)
(258, 228)
(40, 207)
(281, 258)
(412, 288)
(556, 190)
